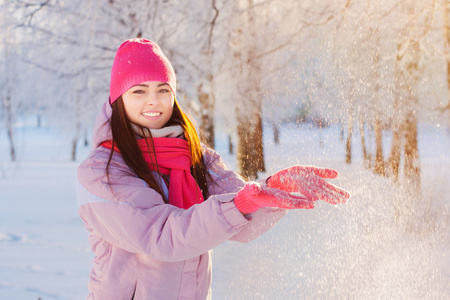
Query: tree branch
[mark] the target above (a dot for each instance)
(293, 35)
(213, 23)
(49, 69)
(30, 16)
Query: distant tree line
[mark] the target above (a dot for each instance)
(368, 64)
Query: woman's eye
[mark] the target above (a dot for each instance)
(138, 92)
(164, 91)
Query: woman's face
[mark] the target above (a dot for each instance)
(149, 104)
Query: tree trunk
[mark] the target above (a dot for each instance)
(207, 117)
(248, 167)
(77, 134)
(276, 133)
(86, 140)
(10, 127)
(366, 155)
(250, 155)
(74, 149)
(9, 72)
(75, 140)
(258, 142)
(230, 144)
(412, 163)
(379, 159)
(396, 148)
(348, 146)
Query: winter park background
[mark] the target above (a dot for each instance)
(359, 86)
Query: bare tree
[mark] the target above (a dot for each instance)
(248, 112)
(409, 69)
(262, 31)
(206, 95)
(197, 57)
(80, 58)
(7, 98)
(9, 58)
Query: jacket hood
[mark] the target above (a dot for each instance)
(102, 128)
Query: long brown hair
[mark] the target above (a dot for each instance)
(124, 137)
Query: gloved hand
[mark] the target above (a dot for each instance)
(254, 196)
(309, 181)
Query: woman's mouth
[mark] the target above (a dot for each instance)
(152, 114)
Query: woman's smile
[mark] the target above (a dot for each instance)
(152, 114)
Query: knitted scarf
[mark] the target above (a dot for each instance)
(173, 156)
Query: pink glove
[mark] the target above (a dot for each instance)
(254, 196)
(309, 181)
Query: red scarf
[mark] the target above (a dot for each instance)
(174, 160)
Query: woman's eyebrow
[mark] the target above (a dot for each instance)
(146, 85)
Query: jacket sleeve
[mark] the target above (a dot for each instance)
(125, 212)
(227, 183)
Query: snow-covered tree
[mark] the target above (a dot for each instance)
(264, 43)
(13, 15)
(8, 61)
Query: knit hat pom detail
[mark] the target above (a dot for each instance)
(136, 61)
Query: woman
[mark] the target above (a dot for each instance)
(155, 201)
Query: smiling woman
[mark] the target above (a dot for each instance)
(156, 201)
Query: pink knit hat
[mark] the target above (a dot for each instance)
(136, 61)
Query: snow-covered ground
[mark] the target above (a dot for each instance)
(359, 250)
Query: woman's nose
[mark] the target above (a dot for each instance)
(152, 99)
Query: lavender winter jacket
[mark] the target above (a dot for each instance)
(145, 247)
